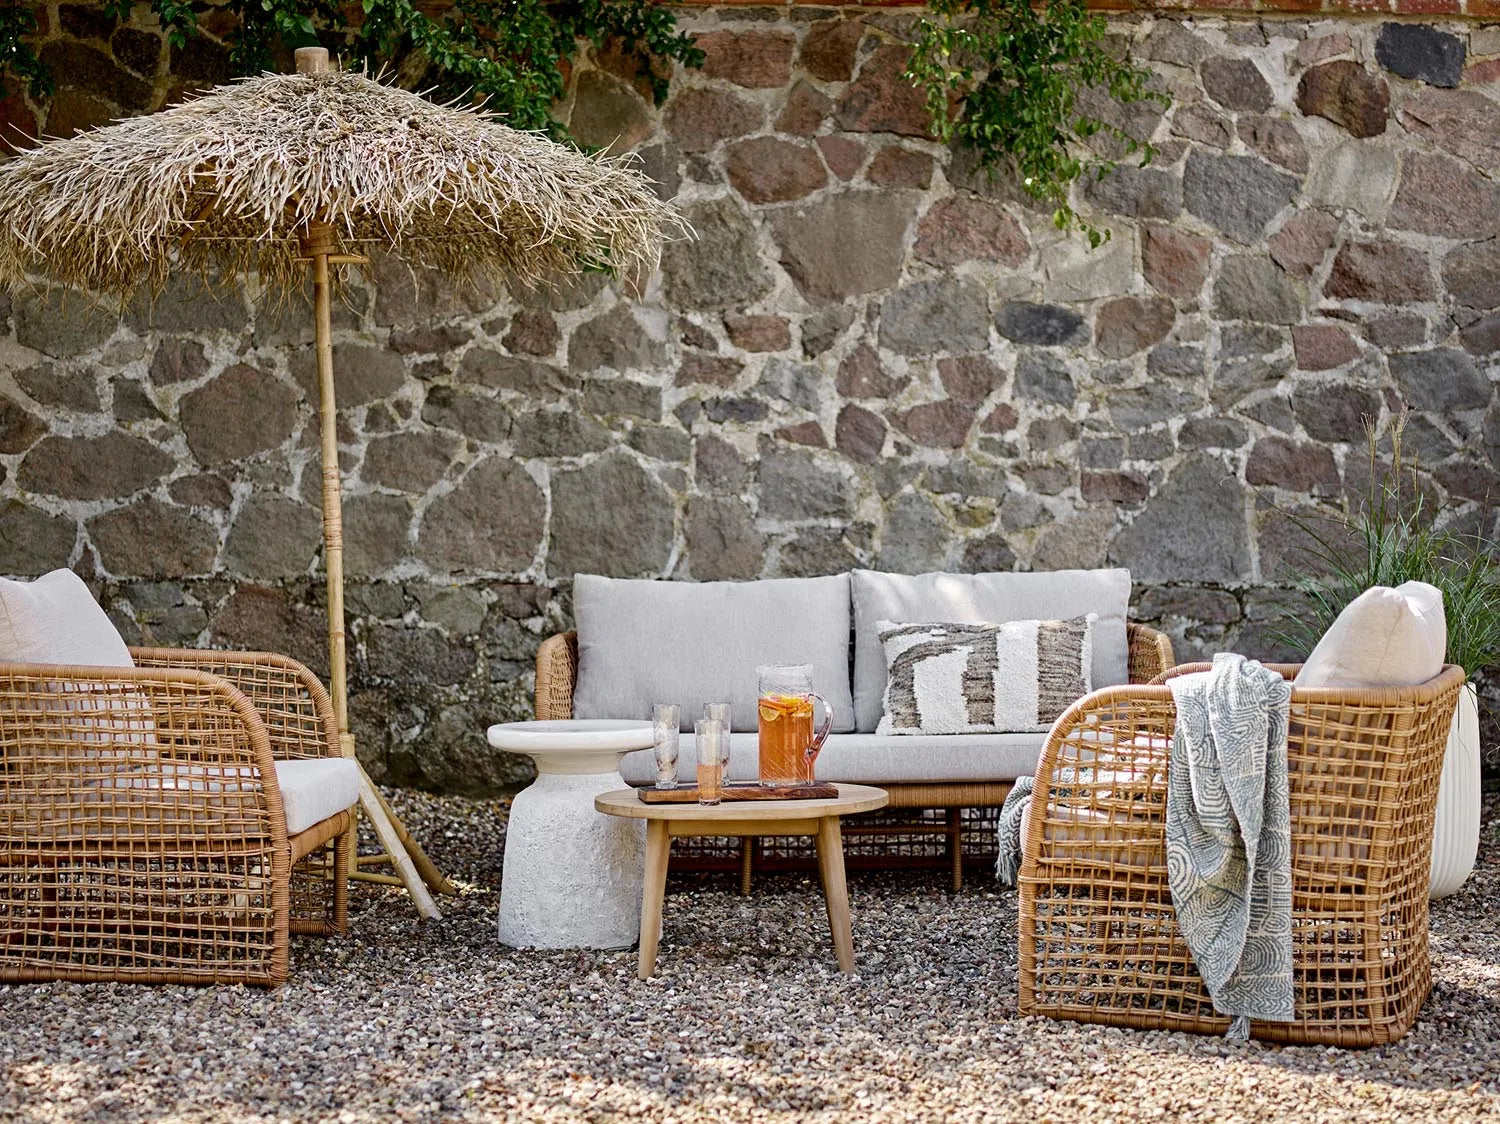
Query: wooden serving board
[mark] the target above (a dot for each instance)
(739, 790)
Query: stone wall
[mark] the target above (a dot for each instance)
(871, 356)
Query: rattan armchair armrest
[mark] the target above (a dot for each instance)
(111, 752)
(556, 675)
(1150, 652)
(292, 702)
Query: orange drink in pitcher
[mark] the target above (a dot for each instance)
(789, 744)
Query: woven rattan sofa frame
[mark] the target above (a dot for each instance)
(1098, 938)
(1150, 655)
(98, 882)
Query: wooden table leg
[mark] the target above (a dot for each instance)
(835, 892)
(658, 850)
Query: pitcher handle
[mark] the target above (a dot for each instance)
(822, 735)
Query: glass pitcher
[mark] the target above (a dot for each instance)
(788, 743)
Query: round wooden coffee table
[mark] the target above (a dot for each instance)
(818, 818)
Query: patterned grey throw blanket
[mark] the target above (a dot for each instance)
(1008, 850)
(1229, 852)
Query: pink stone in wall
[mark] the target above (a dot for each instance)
(880, 100)
(1321, 347)
(756, 59)
(1298, 247)
(771, 170)
(963, 228)
(842, 155)
(1173, 261)
(899, 167)
(828, 51)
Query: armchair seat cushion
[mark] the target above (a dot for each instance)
(311, 790)
(315, 789)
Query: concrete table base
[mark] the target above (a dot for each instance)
(572, 878)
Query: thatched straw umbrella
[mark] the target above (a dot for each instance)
(280, 173)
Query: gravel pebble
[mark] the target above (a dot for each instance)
(747, 1019)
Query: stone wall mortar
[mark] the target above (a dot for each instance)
(870, 357)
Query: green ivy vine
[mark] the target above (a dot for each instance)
(1005, 76)
(515, 54)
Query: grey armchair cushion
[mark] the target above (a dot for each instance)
(644, 642)
(979, 599)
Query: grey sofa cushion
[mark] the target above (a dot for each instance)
(875, 759)
(984, 598)
(644, 642)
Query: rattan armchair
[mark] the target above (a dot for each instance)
(1098, 936)
(142, 830)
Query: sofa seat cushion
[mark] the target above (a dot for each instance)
(690, 643)
(874, 759)
(992, 598)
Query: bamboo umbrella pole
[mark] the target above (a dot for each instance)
(318, 245)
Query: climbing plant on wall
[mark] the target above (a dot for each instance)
(1012, 80)
(513, 53)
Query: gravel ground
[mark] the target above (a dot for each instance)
(746, 1020)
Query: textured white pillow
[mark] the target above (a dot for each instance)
(1384, 638)
(983, 678)
(55, 619)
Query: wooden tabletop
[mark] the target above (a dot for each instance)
(852, 798)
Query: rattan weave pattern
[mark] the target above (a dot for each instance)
(142, 835)
(1098, 936)
(298, 716)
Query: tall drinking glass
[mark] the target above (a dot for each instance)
(666, 727)
(711, 739)
(788, 743)
(720, 711)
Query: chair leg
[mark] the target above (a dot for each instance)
(956, 846)
(343, 860)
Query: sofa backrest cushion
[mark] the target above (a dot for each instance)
(645, 642)
(992, 598)
(55, 619)
(1384, 638)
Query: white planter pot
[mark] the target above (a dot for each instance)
(1455, 834)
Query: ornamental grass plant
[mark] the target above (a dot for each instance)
(1397, 535)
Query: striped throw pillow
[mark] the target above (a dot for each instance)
(983, 678)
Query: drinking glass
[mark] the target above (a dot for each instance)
(712, 742)
(666, 726)
(720, 712)
(788, 743)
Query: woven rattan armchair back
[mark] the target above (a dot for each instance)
(142, 833)
(1098, 936)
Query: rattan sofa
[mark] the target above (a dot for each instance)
(143, 835)
(1150, 655)
(1098, 936)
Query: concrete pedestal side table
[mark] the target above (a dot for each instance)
(572, 877)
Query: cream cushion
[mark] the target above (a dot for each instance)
(1384, 638)
(311, 789)
(55, 619)
(314, 789)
